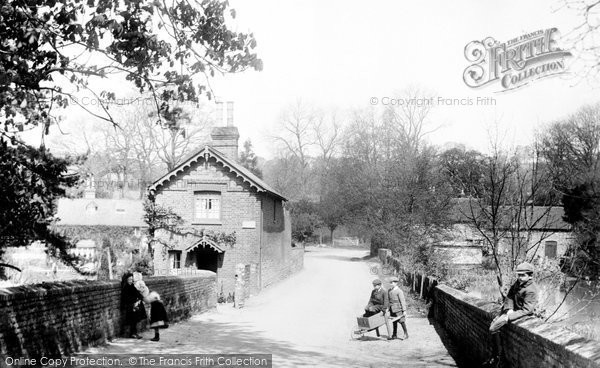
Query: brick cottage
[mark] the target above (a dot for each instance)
(220, 200)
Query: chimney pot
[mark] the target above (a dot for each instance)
(219, 112)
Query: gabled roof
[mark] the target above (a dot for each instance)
(238, 170)
(204, 242)
(99, 211)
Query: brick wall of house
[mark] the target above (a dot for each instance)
(58, 319)
(528, 342)
(276, 241)
(238, 206)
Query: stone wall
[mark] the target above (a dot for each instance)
(58, 319)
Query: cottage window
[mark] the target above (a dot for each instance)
(175, 259)
(550, 249)
(207, 205)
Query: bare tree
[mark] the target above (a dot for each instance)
(328, 133)
(183, 132)
(296, 131)
(503, 210)
(411, 117)
(308, 138)
(138, 149)
(583, 37)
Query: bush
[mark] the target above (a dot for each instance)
(142, 264)
(487, 263)
(462, 282)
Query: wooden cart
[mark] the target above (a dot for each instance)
(366, 324)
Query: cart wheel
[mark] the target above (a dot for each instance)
(356, 333)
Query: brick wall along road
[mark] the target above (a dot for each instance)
(528, 342)
(57, 319)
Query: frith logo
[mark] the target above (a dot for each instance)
(514, 63)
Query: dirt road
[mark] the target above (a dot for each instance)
(304, 320)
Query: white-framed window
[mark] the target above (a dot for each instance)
(174, 259)
(207, 205)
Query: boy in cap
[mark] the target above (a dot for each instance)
(398, 308)
(519, 302)
(378, 302)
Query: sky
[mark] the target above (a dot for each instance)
(348, 55)
(344, 53)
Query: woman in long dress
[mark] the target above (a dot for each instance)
(132, 304)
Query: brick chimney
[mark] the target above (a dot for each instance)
(225, 138)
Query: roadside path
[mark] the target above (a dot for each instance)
(304, 320)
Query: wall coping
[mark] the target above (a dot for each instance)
(72, 286)
(558, 337)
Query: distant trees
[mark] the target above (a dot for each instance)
(387, 180)
(464, 170)
(141, 150)
(305, 219)
(371, 170)
(571, 147)
(249, 160)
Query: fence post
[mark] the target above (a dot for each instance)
(422, 285)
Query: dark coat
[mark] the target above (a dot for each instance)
(378, 301)
(522, 299)
(134, 311)
(158, 315)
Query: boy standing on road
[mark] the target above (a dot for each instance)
(398, 308)
(519, 302)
